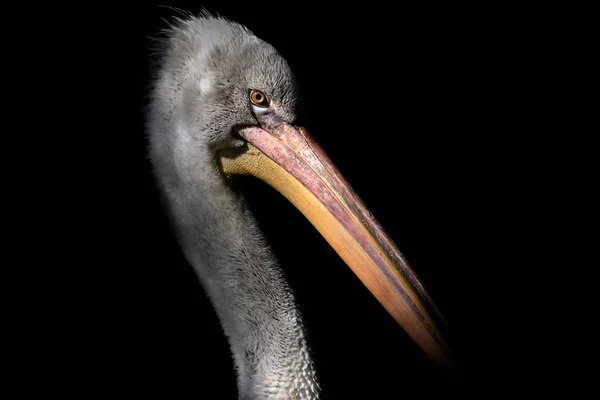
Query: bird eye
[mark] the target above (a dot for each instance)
(258, 98)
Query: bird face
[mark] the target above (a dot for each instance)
(247, 85)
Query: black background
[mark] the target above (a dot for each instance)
(417, 107)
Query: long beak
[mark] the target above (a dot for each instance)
(286, 158)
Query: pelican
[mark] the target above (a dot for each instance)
(224, 103)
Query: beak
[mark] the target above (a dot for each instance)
(286, 158)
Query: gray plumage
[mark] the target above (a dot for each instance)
(207, 67)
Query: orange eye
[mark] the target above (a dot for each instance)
(258, 98)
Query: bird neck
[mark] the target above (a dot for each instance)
(221, 239)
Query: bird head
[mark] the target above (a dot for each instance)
(236, 80)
